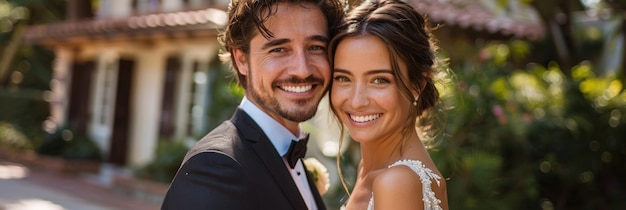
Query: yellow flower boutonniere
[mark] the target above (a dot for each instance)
(320, 174)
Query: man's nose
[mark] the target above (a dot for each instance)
(301, 65)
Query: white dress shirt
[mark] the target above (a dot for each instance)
(281, 139)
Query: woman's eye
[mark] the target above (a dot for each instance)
(341, 78)
(381, 81)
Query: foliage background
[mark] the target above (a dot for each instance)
(25, 70)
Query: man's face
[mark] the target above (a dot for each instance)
(288, 74)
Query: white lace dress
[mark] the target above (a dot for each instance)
(426, 176)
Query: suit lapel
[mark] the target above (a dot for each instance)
(250, 131)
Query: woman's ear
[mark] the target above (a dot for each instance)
(416, 95)
(419, 88)
(241, 61)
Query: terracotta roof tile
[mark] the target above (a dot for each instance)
(518, 20)
(207, 19)
(522, 21)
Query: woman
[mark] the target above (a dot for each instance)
(382, 83)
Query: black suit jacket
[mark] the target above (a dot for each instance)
(235, 166)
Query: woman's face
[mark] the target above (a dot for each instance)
(364, 91)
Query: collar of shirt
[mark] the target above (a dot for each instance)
(279, 135)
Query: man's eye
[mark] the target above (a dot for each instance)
(277, 50)
(317, 47)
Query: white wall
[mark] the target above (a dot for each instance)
(147, 88)
(146, 100)
(171, 5)
(60, 85)
(114, 9)
(102, 100)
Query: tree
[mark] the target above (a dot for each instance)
(13, 25)
(25, 70)
(15, 16)
(619, 10)
(557, 17)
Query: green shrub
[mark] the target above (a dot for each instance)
(63, 143)
(168, 157)
(535, 139)
(12, 137)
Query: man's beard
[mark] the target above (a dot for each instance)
(303, 110)
(296, 114)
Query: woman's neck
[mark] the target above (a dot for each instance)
(380, 153)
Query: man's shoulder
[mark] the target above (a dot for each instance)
(221, 139)
(229, 138)
(226, 130)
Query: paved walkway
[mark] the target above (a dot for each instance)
(22, 188)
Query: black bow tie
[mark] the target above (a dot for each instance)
(297, 150)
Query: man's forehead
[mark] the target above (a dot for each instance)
(288, 20)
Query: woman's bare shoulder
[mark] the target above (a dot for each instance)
(397, 188)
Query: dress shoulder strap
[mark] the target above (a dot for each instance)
(431, 202)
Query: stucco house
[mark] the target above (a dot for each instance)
(132, 72)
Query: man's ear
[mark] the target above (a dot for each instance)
(241, 60)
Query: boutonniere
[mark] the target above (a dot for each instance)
(320, 174)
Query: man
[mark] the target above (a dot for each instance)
(277, 49)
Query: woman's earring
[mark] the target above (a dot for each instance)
(415, 101)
